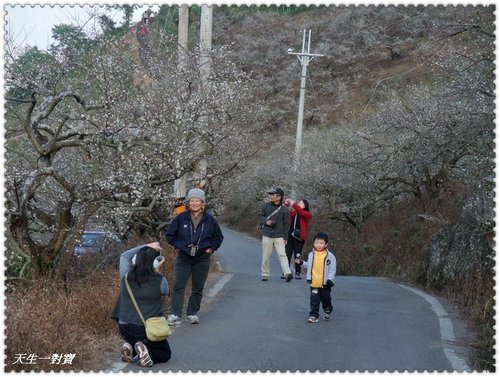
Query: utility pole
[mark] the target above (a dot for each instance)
(304, 57)
(182, 54)
(200, 173)
(183, 30)
(206, 41)
(197, 177)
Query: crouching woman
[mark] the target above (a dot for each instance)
(140, 267)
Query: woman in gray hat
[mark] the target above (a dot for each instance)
(196, 235)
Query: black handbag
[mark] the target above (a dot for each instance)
(296, 234)
(296, 231)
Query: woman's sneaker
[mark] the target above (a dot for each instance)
(312, 319)
(173, 320)
(327, 316)
(193, 319)
(142, 351)
(126, 352)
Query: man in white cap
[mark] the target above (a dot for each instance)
(196, 235)
(274, 222)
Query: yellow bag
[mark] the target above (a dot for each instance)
(157, 329)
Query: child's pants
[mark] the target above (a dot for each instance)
(323, 296)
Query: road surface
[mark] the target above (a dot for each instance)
(250, 325)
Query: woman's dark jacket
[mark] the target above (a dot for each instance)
(181, 233)
(148, 297)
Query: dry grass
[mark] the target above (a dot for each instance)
(47, 318)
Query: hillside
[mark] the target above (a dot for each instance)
(362, 45)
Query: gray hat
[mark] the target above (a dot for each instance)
(196, 193)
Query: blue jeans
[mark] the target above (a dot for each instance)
(323, 296)
(187, 266)
(159, 352)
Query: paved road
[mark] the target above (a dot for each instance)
(250, 325)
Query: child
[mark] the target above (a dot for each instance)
(321, 268)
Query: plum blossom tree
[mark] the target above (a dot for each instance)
(95, 139)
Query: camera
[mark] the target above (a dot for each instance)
(157, 262)
(194, 249)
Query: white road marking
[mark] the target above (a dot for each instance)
(219, 285)
(447, 333)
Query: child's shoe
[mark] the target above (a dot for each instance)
(312, 319)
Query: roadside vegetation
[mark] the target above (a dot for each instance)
(397, 158)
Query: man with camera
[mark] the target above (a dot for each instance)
(274, 223)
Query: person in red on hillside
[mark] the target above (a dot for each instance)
(146, 17)
(297, 234)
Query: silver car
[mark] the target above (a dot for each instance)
(95, 242)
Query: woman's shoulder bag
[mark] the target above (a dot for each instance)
(157, 328)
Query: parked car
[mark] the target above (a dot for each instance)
(95, 242)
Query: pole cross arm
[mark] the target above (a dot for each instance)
(304, 54)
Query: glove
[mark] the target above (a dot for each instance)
(329, 283)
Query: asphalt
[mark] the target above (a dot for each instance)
(250, 325)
